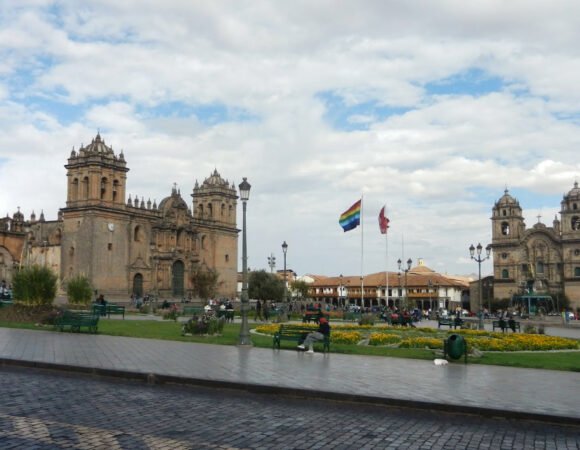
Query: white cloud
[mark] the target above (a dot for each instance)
(120, 66)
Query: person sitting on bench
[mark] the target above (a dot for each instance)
(318, 335)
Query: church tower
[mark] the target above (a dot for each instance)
(95, 218)
(508, 228)
(214, 214)
(96, 176)
(570, 226)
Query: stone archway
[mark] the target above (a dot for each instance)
(177, 279)
(138, 285)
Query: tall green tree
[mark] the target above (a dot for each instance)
(34, 285)
(300, 289)
(265, 286)
(205, 282)
(79, 290)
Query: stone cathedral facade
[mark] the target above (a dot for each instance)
(128, 245)
(540, 259)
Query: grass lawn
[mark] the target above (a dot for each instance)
(152, 329)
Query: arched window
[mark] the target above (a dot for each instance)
(505, 228)
(209, 211)
(575, 223)
(503, 212)
(203, 242)
(223, 211)
(85, 193)
(230, 210)
(137, 234)
(138, 285)
(200, 211)
(115, 189)
(505, 274)
(539, 267)
(75, 189)
(104, 182)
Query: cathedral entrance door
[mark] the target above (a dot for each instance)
(177, 285)
(138, 286)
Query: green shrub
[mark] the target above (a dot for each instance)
(79, 290)
(367, 319)
(203, 324)
(34, 285)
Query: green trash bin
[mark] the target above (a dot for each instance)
(455, 346)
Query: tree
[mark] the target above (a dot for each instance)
(34, 285)
(79, 290)
(205, 282)
(301, 288)
(265, 286)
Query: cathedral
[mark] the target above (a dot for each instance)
(540, 259)
(128, 246)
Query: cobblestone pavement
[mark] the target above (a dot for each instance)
(49, 410)
(467, 387)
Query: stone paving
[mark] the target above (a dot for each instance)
(489, 390)
(54, 410)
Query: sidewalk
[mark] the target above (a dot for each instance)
(489, 390)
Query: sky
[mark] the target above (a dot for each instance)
(432, 108)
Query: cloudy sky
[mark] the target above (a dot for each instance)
(430, 107)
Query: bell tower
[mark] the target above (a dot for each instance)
(96, 176)
(507, 221)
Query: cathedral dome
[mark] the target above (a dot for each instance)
(215, 180)
(173, 201)
(507, 200)
(574, 193)
(98, 145)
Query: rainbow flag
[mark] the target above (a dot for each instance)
(350, 219)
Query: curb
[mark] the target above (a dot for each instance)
(159, 379)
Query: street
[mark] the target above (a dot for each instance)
(51, 410)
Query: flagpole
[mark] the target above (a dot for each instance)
(361, 252)
(386, 264)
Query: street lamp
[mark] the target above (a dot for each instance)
(272, 262)
(285, 298)
(244, 338)
(340, 292)
(430, 289)
(409, 262)
(479, 259)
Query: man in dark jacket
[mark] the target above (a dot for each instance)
(318, 335)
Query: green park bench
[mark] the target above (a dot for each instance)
(192, 310)
(505, 325)
(297, 333)
(5, 303)
(108, 309)
(312, 316)
(75, 320)
(450, 322)
(351, 316)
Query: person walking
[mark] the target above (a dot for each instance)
(258, 311)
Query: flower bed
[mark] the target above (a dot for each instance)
(433, 338)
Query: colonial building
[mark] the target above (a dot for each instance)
(419, 287)
(128, 245)
(540, 259)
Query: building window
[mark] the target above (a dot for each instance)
(110, 246)
(227, 258)
(505, 228)
(575, 223)
(103, 188)
(577, 271)
(137, 234)
(504, 255)
(540, 267)
(115, 189)
(505, 274)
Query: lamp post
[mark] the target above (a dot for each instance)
(244, 338)
(430, 289)
(285, 297)
(479, 259)
(272, 262)
(409, 262)
(340, 298)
